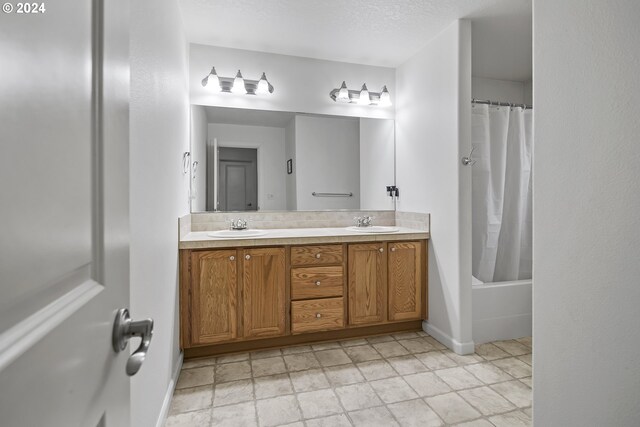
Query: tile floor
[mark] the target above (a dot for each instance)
(406, 379)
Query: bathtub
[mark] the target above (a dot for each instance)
(501, 310)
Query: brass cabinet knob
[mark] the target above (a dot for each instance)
(317, 282)
(232, 258)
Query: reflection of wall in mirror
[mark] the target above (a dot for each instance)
(290, 153)
(199, 154)
(327, 160)
(377, 159)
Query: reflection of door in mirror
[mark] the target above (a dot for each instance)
(238, 179)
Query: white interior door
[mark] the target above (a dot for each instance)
(64, 245)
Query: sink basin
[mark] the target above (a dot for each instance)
(237, 234)
(374, 229)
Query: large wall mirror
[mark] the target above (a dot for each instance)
(249, 160)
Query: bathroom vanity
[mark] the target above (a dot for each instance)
(293, 286)
(304, 274)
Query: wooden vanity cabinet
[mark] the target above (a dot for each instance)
(240, 299)
(232, 294)
(367, 283)
(317, 288)
(263, 292)
(405, 278)
(214, 297)
(386, 282)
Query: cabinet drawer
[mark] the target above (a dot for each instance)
(316, 282)
(317, 315)
(316, 255)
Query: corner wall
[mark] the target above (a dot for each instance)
(586, 212)
(159, 135)
(433, 126)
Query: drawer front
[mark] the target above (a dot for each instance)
(317, 315)
(316, 255)
(316, 282)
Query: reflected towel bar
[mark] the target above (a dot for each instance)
(314, 194)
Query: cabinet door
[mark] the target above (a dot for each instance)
(367, 283)
(405, 280)
(214, 296)
(263, 292)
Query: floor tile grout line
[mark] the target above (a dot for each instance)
(376, 392)
(478, 409)
(423, 399)
(484, 383)
(214, 365)
(367, 382)
(256, 399)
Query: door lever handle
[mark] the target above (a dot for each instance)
(123, 330)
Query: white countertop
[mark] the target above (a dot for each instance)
(295, 236)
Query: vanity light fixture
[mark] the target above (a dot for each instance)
(263, 86)
(343, 93)
(385, 98)
(212, 79)
(237, 84)
(362, 96)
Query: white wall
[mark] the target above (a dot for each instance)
(199, 130)
(432, 134)
(301, 84)
(528, 92)
(271, 158)
(159, 193)
(500, 90)
(327, 160)
(290, 153)
(586, 241)
(377, 163)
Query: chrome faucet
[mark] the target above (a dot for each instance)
(239, 224)
(363, 221)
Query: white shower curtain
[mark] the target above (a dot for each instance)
(501, 208)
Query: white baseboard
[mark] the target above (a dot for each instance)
(502, 328)
(166, 404)
(455, 345)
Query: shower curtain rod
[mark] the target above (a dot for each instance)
(500, 104)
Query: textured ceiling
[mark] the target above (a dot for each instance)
(373, 32)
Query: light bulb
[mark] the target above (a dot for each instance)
(385, 98)
(263, 86)
(212, 80)
(238, 85)
(343, 93)
(364, 96)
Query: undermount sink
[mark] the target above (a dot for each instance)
(237, 234)
(374, 229)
